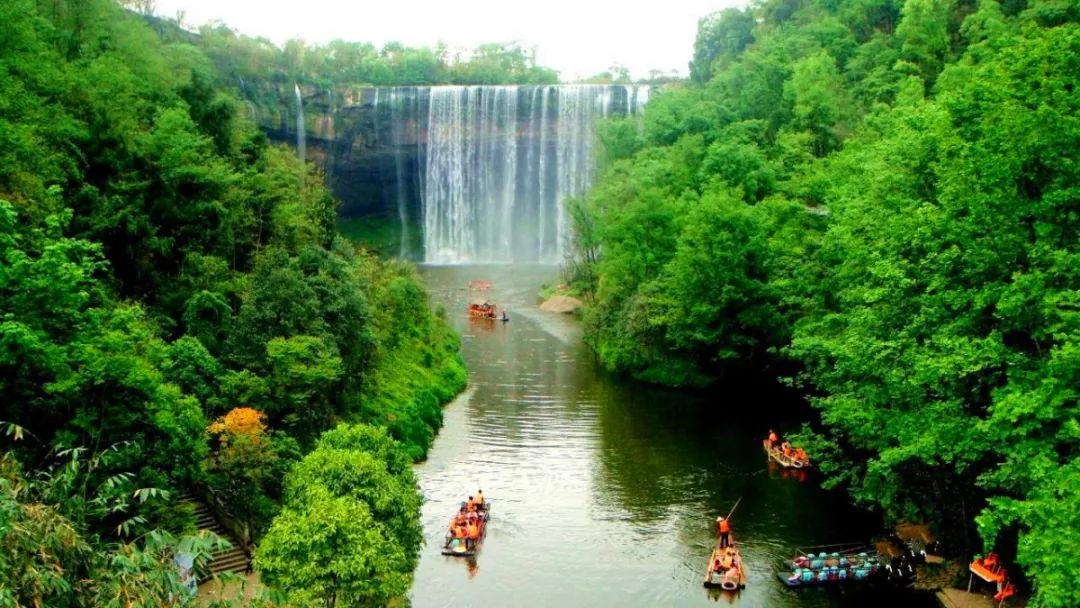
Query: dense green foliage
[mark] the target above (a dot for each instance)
(350, 533)
(52, 555)
(241, 59)
(162, 267)
(881, 196)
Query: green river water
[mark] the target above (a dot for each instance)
(603, 490)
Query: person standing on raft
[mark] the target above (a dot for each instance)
(723, 531)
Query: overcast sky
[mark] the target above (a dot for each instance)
(577, 37)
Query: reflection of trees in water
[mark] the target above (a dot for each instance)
(667, 454)
(657, 450)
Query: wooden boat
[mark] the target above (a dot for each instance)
(482, 309)
(733, 577)
(778, 455)
(457, 547)
(479, 285)
(851, 564)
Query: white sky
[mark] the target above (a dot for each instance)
(577, 37)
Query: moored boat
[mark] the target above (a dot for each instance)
(848, 565)
(725, 569)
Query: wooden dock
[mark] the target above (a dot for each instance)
(956, 598)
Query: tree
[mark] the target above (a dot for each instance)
(328, 550)
(392, 498)
(923, 32)
(819, 101)
(303, 374)
(243, 466)
(720, 36)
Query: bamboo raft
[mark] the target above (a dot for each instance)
(731, 579)
(457, 547)
(778, 455)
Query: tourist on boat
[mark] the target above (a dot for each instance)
(731, 559)
(471, 504)
(723, 530)
(718, 567)
(457, 531)
(479, 500)
(473, 532)
(786, 448)
(800, 455)
(772, 439)
(460, 518)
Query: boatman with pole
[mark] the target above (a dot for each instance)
(723, 530)
(723, 526)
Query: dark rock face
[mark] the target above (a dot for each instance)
(466, 173)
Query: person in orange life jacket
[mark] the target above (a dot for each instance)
(723, 530)
(772, 439)
(473, 533)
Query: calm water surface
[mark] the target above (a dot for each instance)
(604, 491)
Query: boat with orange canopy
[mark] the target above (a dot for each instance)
(482, 309)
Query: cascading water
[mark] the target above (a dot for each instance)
(399, 126)
(301, 131)
(492, 165)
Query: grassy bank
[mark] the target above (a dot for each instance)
(417, 369)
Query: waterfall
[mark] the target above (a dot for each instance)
(542, 175)
(509, 187)
(487, 169)
(398, 126)
(301, 130)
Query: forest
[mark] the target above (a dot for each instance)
(243, 59)
(877, 201)
(180, 318)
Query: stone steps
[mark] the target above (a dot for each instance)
(229, 560)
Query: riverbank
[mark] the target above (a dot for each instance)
(946, 581)
(560, 298)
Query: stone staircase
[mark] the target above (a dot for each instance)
(229, 560)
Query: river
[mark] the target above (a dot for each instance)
(604, 491)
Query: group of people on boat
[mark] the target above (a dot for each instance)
(468, 524)
(835, 568)
(724, 560)
(797, 455)
(483, 309)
